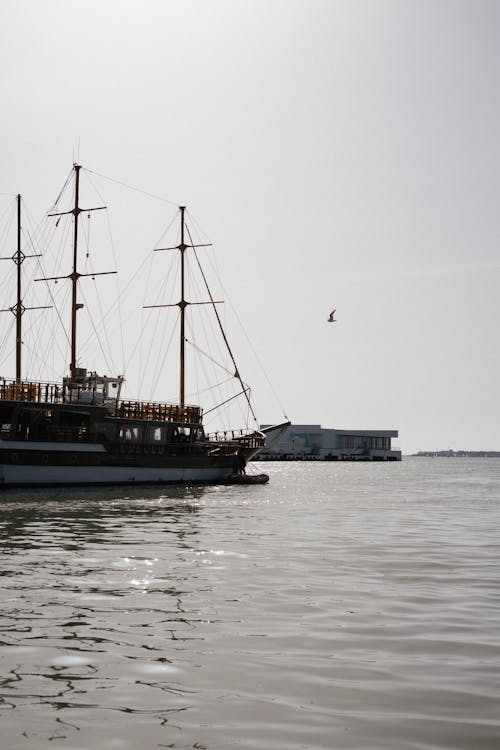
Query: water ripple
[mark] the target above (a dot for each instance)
(340, 606)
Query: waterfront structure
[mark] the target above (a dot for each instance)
(313, 442)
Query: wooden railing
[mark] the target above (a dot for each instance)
(243, 438)
(158, 412)
(50, 393)
(38, 392)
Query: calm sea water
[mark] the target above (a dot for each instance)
(341, 606)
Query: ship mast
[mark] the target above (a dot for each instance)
(74, 276)
(182, 304)
(18, 309)
(18, 305)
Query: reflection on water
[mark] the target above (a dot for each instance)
(93, 584)
(336, 607)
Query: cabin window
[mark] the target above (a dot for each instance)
(156, 435)
(181, 434)
(131, 434)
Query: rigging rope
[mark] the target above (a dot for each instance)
(237, 374)
(68, 178)
(101, 347)
(116, 264)
(131, 187)
(198, 349)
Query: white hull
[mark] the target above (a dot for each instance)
(64, 475)
(48, 447)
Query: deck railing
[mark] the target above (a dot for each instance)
(244, 438)
(158, 411)
(26, 391)
(51, 393)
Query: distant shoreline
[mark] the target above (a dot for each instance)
(456, 454)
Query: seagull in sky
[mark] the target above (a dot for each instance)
(331, 319)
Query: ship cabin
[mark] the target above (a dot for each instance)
(88, 410)
(89, 387)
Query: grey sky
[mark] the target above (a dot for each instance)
(339, 154)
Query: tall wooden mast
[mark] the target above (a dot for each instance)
(18, 309)
(75, 275)
(182, 304)
(18, 312)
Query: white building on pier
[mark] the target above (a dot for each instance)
(313, 442)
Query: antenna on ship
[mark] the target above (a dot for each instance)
(19, 309)
(75, 275)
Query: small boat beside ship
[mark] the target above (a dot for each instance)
(84, 431)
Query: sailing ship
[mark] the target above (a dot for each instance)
(82, 431)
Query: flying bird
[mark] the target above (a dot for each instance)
(331, 319)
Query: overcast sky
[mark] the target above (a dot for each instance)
(338, 153)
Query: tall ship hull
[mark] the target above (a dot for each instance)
(50, 464)
(54, 435)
